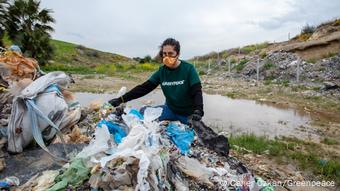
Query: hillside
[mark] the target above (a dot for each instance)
(79, 59)
(68, 53)
(323, 42)
(312, 59)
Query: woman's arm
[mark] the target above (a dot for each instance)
(196, 94)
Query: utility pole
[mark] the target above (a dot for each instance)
(209, 65)
(229, 65)
(298, 71)
(257, 69)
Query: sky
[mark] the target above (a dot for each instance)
(136, 28)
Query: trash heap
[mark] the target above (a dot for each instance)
(134, 151)
(34, 106)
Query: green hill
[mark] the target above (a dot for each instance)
(79, 59)
(78, 55)
(75, 58)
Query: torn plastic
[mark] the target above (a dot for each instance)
(210, 139)
(151, 114)
(193, 168)
(145, 160)
(9, 182)
(181, 136)
(115, 129)
(101, 143)
(41, 183)
(74, 175)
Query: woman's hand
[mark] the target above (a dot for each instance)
(115, 102)
(197, 115)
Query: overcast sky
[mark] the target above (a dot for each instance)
(137, 27)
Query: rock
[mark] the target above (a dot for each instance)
(329, 86)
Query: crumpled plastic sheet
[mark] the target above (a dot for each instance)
(115, 129)
(193, 168)
(119, 172)
(210, 139)
(9, 182)
(74, 175)
(181, 136)
(41, 183)
(100, 143)
(134, 145)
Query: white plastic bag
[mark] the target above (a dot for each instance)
(101, 143)
(151, 113)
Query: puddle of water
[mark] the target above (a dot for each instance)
(233, 115)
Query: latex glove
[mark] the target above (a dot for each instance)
(115, 102)
(197, 115)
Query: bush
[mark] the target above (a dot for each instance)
(268, 65)
(336, 22)
(241, 65)
(147, 67)
(308, 29)
(250, 48)
(304, 37)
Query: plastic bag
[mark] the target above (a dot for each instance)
(151, 113)
(182, 138)
(100, 143)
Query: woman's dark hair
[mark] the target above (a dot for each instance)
(171, 42)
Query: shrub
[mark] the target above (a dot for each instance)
(241, 65)
(308, 29)
(268, 65)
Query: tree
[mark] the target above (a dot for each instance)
(29, 27)
(3, 9)
(146, 59)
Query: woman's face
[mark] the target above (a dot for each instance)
(170, 56)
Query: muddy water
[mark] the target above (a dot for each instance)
(233, 115)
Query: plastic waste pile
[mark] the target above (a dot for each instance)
(15, 66)
(33, 105)
(131, 151)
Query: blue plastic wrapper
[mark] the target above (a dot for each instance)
(181, 138)
(115, 129)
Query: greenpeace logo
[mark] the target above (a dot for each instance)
(175, 83)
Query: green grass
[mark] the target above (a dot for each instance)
(329, 141)
(7, 42)
(77, 59)
(258, 145)
(107, 69)
(63, 51)
(249, 48)
(268, 65)
(307, 155)
(267, 82)
(67, 68)
(336, 22)
(125, 67)
(74, 58)
(241, 65)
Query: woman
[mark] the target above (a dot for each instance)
(180, 84)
